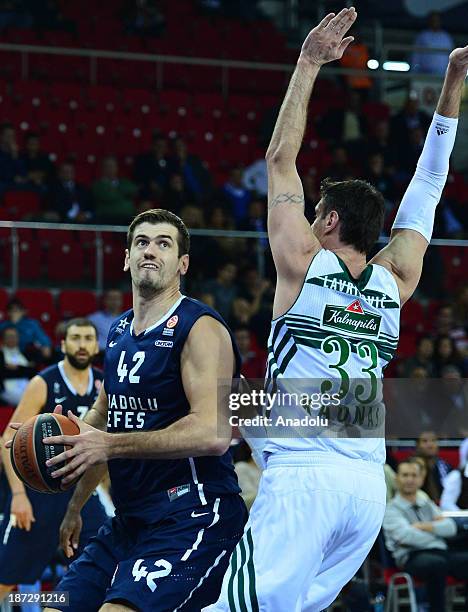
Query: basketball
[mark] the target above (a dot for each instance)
(29, 454)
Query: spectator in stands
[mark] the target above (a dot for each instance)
(377, 176)
(255, 178)
(197, 178)
(445, 325)
(340, 168)
(256, 290)
(113, 196)
(12, 171)
(223, 288)
(253, 360)
(407, 119)
(344, 125)
(68, 200)
(432, 38)
(112, 302)
(454, 399)
(39, 169)
(379, 141)
(416, 532)
(460, 308)
(408, 157)
(231, 248)
(241, 313)
(237, 196)
(455, 491)
(446, 353)
(177, 195)
(15, 368)
(152, 168)
(356, 58)
(423, 358)
(144, 17)
(427, 447)
(32, 338)
(255, 220)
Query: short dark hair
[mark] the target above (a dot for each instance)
(410, 461)
(15, 302)
(79, 322)
(360, 207)
(160, 215)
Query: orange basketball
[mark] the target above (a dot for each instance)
(29, 454)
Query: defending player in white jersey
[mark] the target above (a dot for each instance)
(321, 499)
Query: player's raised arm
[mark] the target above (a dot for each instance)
(412, 229)
(292, 241)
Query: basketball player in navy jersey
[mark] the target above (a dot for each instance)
(161, 425)
(29, 533)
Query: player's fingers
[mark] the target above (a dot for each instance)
(73, 418)
(334, 23)
(345, 43)
(15, 425)
(75, 474)
(9, 444)
(325, 21)
(76, 538)
(58, 409)
(70, 465)
(65, 440)
(343, 21)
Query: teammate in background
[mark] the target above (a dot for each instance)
(321, 499)
(178, 510)
(29, 533)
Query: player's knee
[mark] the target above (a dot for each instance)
(117, 606)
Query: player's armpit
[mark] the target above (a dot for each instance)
(292, 241)
(207, 361)
(403, 257)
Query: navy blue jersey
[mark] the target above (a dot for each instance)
(61, 391)
(142, 378)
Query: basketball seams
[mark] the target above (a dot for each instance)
(38, 466)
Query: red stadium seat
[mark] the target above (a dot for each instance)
(76, 303)
(29, 260)
(19, 205)
(3, 303)
(65, 261)
(412, 317)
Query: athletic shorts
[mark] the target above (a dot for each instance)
(24, 555)
(310, 529)
(176, 564)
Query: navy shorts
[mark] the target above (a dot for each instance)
(24, 555)
(175, 564)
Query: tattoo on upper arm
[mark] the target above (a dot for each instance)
(287, 198)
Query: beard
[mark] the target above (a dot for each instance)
(77, 364)
(148, 287)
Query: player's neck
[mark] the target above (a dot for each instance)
(79, 378)
(149, 310)
(355, 261)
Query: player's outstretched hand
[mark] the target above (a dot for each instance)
(325, 43)
(22, 510)
(70, 530)
(90, 447)
(459, 58)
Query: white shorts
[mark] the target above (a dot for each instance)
(311, 527)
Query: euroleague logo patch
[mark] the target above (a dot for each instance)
(169, 327)
(172, 322)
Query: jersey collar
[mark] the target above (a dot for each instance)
(67, 381)
(162, 319)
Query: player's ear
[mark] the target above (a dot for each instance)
(183, 264)
(62, 345)
(331, 221)
(127, 260)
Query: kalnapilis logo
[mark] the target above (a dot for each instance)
(352, 319)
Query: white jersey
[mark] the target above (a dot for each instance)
(340, 333)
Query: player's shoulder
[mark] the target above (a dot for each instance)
(50, 373)
(120, 323)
